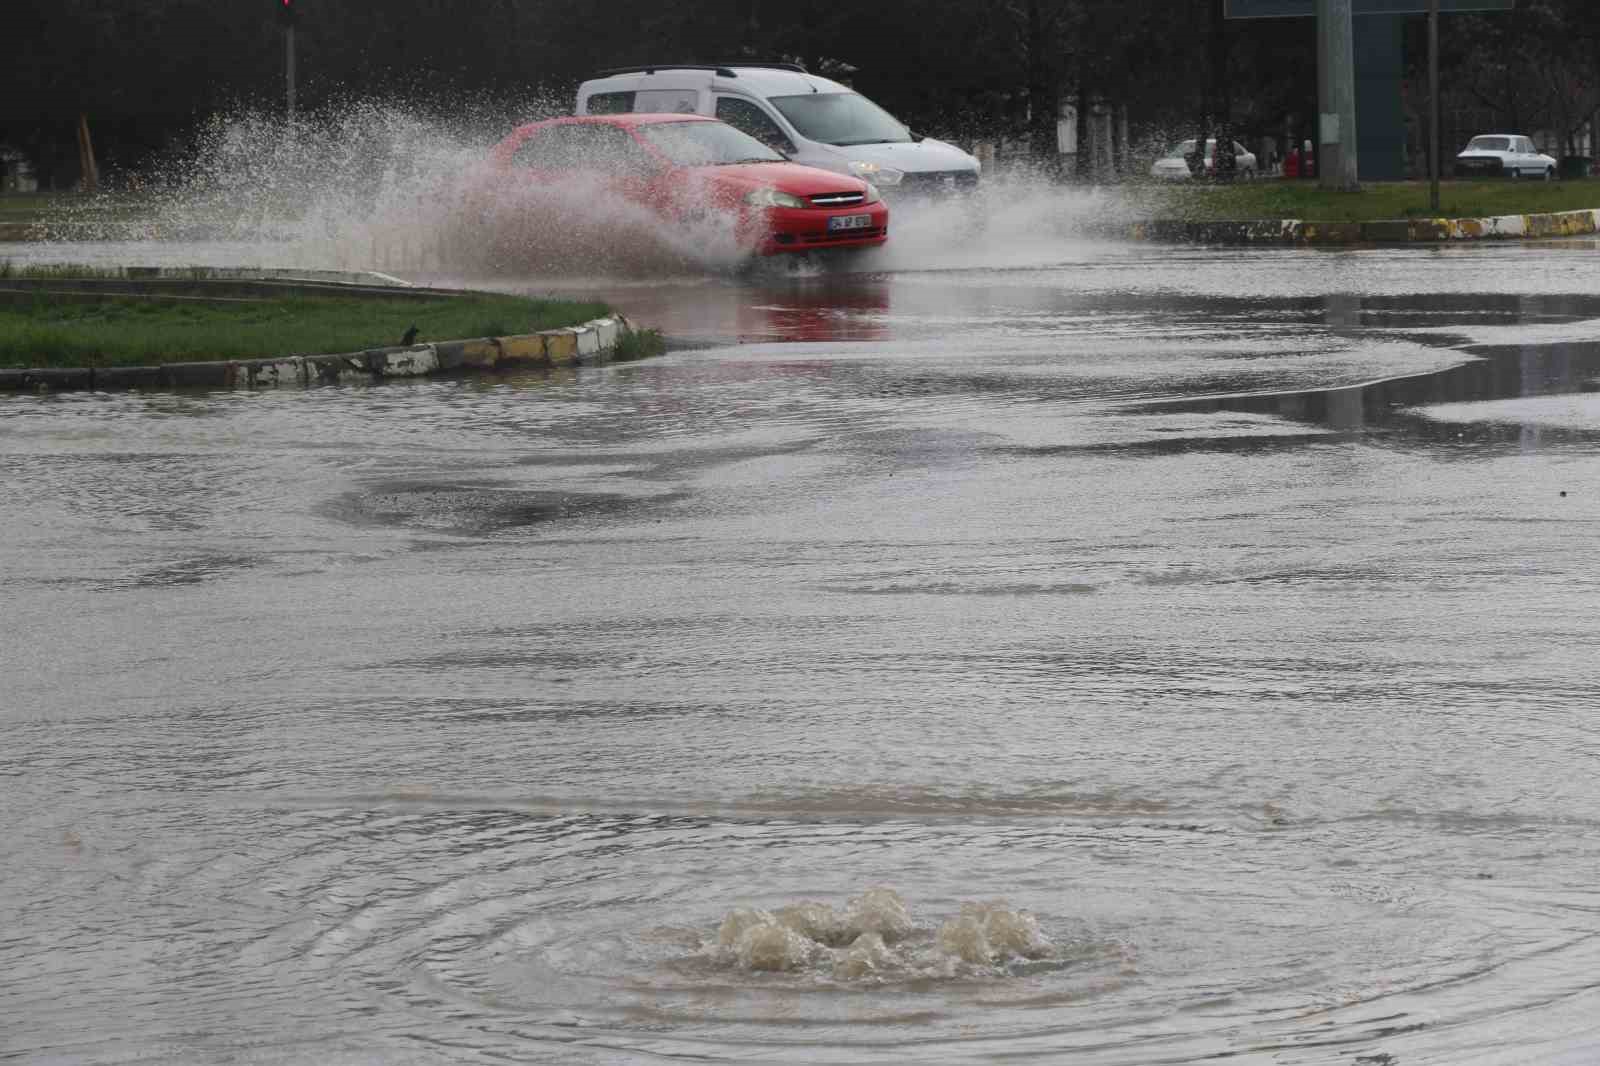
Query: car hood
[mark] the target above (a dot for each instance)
(913, 157)
(789, 177)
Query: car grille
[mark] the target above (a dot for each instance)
(838, 199)
(830, 238)
(938, 182)
(1466, 167)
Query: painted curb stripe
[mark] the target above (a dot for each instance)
(1380, 231)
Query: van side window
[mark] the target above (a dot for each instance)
(610, 103)
(667, 101)
(746, 117)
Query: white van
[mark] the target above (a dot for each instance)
(808, 118)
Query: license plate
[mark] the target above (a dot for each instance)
(839, 222)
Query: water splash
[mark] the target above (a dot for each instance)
(1015, 220)
(370, 184)
(876, 938)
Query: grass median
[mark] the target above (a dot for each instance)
(1273, 198)
(47, 331)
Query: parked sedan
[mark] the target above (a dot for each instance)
(1509, 155)
(1174, 166)
(690, 173)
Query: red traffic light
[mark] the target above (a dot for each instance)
(287, 10)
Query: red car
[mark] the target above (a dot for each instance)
(694, 173)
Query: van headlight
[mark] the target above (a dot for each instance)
(875, 174)
(873, 195)
(769, 197)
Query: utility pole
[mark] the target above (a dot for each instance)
(1433, 106)
(1336, 97)
(288, 68)
(288, 12)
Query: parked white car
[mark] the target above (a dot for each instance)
(808, 118)
(1174, 167)
(1510, 155)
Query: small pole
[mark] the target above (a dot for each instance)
(1433, 105)
(288, 67)
(1336, 84)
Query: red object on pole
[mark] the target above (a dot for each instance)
(288, 10)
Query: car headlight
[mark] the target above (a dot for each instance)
(875, 174)
(769, 197)
(873, 195)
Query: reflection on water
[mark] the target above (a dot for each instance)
(1398, 407)
(1115, 662)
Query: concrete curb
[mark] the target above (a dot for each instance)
(1382, 231)
(186, 287)
(21, 231)
(109, 229)
(370, 279)
(592, 342)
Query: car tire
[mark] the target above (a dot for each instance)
(1247, 175)
(1549, 173)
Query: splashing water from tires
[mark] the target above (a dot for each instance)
(374, 185)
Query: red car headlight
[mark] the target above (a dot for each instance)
(769, 197)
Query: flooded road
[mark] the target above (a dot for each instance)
(1138, 655)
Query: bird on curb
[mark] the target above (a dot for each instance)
(411, 336)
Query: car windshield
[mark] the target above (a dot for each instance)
(1187, 148)
(1489, 144)
(705, 144)
(841, 118)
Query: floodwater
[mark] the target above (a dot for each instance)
(1138, 655)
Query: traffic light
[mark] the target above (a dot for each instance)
(287, 10)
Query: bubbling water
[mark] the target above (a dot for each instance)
(876, 938)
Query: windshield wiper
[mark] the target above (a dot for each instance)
(869, 140)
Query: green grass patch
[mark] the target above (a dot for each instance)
(639, 344)
(133, 332)
(30, 206)
(1277, 199)
(72, 206)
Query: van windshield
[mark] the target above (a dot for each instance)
(841, 118)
